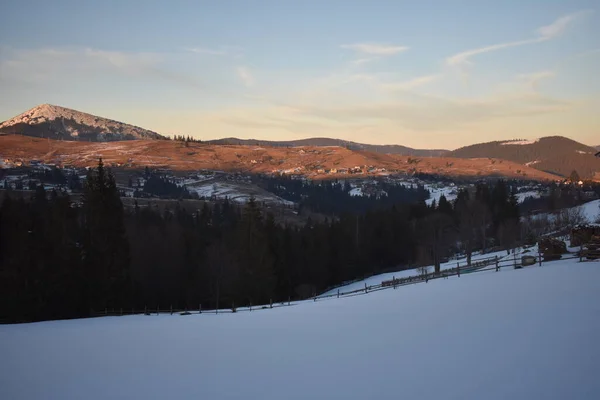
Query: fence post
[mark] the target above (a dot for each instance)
(338, 293)
(365, 287)
(539, 255)
(497, 266)
(581, 252)
(145, 310)
(271, 305)
(250, 306)
(200, 308)
(171, 309)
(394, 281)
(289, 300)
(458, 269)
(515, 258)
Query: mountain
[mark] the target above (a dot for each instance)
(55, 122)
(554, 154)
(325, 142)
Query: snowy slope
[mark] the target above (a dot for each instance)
(515, 334)
(379, 278)
(65, 123)
(591, 210)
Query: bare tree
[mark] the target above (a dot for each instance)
(568, 218)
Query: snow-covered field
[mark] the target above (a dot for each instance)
(515, 334)
(237, 192)
(591, 210)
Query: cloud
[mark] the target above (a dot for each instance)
(544, 33)
(559, 26)
(429, 113)
(245, 76)
(361, 61)
(412, 83)
(232, 51)
(534, 78)
(46, 65)
(375, 48)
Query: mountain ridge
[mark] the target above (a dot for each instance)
(324, 142)
(554, 154)
(312, 162)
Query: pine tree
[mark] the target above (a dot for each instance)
(105, 248)
(574, 177)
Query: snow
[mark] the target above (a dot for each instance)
(234, 192)
(515, 334)
(523, 195)
(520, 142)
(48, 112)
(378, 279)
(356, 192)
(436, 192)
(591, 210)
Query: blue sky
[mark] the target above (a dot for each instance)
(425, 74)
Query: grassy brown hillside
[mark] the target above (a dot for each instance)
(308, 160)
(325, 142)
(554, 154)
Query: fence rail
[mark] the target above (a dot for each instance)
(482, 265)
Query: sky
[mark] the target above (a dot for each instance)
(425, 74)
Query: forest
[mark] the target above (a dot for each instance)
(63, 260)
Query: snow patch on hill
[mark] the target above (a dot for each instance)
(519, 142)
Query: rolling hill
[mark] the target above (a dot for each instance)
(325, 142)
(314, 162)
(55, 122)
(553, 154)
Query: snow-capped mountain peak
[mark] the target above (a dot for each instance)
(47, 120)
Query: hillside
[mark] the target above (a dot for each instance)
(324, 142)
(555, 154)
(515, 334)
(314, 162)
(55, 122)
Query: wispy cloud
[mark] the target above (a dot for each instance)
(39, 66)
(544, 33)
(232, 51)
(534, 78)
(361, 61)
(245, 76)
(375, 48)
(412, 83)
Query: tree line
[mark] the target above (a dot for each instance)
(62, 261)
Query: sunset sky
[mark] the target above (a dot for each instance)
(426, 74)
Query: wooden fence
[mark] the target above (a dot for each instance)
(482, 265)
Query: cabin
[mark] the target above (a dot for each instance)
(582, 234)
